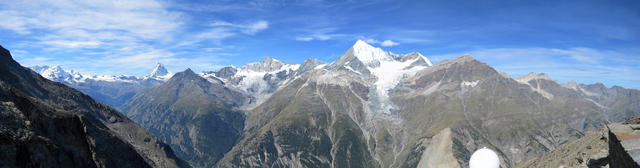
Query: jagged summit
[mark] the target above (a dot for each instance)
(310, 64)
(267, 65)
(269, 59)
(226, 72)
(532, 76)
(571, 85)
(159, 70)
(413, 55)
(57, 73)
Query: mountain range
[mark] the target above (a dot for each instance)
(47, 124)
(369, 108)
(108, 89)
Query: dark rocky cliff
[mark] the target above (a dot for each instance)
(47, 124)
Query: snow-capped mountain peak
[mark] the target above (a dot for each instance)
(388, 69)
(57, 73)
(259, 79)
(159, 70)
(370, 55)
(160, 73)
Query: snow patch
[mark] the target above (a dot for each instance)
(588, 93)
(469, 84)
(351, 69)
(597, 104)
(320, 66)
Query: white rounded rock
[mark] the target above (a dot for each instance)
(484, 158)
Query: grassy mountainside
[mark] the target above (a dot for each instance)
(196, 118)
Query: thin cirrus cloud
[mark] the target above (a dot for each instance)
(250, 28)
(318, 36)
(583, 42)
(145, 19)
(130, 35)
(73, 44)
(220, 30)
(385, 43)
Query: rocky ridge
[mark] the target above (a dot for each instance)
(47, 124)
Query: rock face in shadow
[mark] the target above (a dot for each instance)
(196, 117)
(47, 124)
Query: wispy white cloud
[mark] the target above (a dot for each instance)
(307, 38)
(385, 43)
(124, 36)
(73, 44)
(388, 43)
(144, 19)
(321, 34)
(215, 34)
(248, 28)
(220, 30)
(256, 27)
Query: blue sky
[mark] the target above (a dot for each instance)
(586, 41)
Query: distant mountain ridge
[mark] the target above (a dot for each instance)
(47, 124)
(372, 108)
(58, 74)
(109, 89)
(260, 79)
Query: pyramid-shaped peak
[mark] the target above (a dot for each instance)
(362, 44)
(189, 71)
(159, 70)
(186, 75)
(368, 54)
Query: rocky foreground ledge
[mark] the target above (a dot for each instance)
(616, 145)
